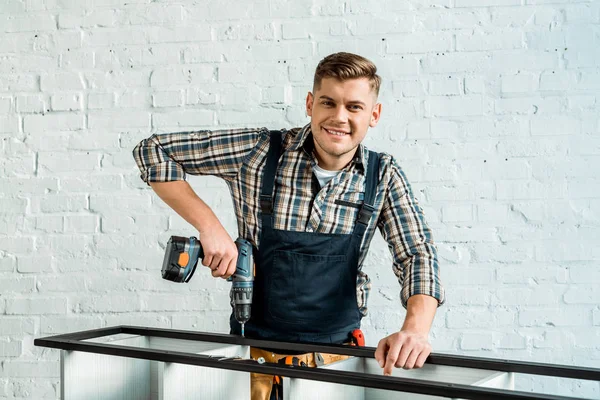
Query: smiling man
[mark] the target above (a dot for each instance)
(309, 200)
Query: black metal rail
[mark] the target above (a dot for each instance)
(76, 342)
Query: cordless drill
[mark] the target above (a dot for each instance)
(181, 259)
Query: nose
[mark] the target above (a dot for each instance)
(340, 115)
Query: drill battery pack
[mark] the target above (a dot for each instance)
(181, 258)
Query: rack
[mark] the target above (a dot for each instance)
(134, 362)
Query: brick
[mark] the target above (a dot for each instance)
(102, 304)
(183, 34)
(182, 76)
(55, 325)
(116, 120)
(565, 316)
(134, 99)
(420, 42)
(36, 305)
(474, 3)
(471, 296)
(71, 283)
(154, 14)
(16, 245)
(32, 369)
(584, 274)
(529, 105)
(497, 40)
(38, 389)
(470, 318)
(18, 83)
(184, 118)
(10, 348)
(29, 186)
(583, 294)
(12, 205)
(454, 106)
(457, 213)
(445, 86)
(519, 83)
(466, 234)
(7, 263)
(510, 341)
(67, 264)
(59, 203)
(555, 126)
(55, 122)
(81, 223)
(34, 264)
(516, 274)
(134, 223)
(66, 102)
(527, 189)
(554, 339)
(17, 284)
(386, 26)
(167, 99)
(116, 79)
(31, 103)
(62, 81)
(540, 295)
(473, 274)
(506, 252)
(5, 105)
(101, 100)
(60, 246)
(17, 326)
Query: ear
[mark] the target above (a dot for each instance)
(309, 104)
(375, 115)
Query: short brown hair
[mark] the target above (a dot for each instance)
(343, 66)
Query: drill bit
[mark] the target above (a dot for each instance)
(243, 323)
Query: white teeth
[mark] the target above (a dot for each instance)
(337, 133)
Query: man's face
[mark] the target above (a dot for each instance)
(341, 113)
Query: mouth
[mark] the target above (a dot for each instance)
(336, 132)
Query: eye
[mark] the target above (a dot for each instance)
(356, 107)
(326, 103)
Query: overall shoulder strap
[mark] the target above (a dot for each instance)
(366, 210)
(266, 193)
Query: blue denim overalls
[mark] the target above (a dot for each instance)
(305, 283)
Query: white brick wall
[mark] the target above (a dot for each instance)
(492, 106)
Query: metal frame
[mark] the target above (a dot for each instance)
(76, 342)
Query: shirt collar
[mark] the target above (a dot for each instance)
(303, 141)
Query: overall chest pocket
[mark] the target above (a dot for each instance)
(305, 288)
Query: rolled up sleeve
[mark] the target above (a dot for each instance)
(403, 226)
(170, 156)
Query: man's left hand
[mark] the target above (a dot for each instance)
(404, 349)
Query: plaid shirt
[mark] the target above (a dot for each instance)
(300, 204)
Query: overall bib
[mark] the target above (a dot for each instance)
(305, 283)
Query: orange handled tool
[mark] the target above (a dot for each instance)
(357, 338)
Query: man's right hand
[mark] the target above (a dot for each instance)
(220, 252)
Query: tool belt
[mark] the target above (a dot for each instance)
(262, 385)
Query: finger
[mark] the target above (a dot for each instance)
(230, 268)
(392, 357)
(380, 352)
(411, 359)
(422, 357)
(217, 270)
(207, 260)
(403, 355)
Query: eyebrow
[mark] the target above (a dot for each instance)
(351, 101)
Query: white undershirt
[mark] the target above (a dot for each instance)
(323, 175)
